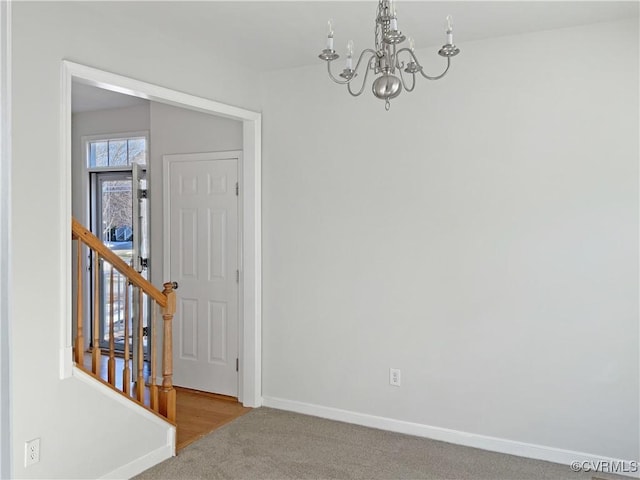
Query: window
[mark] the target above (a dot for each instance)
(117, 152)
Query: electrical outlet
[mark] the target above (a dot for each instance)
(31, 452)
(394, 377)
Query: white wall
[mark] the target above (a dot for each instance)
(76, 442)
(179, 130)
(5, 172)
(482, 236)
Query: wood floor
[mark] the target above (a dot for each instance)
(198, 413)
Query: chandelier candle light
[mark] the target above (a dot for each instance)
(385, 59)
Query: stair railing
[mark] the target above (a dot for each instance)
(117, 275)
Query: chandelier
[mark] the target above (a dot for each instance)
(385, 60)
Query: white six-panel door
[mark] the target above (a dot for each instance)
(203, 259)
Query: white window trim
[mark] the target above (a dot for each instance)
(87, 139)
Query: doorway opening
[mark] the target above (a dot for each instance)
(249, 391)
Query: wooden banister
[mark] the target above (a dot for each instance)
(162, 399)
(79, 232)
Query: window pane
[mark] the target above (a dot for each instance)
(117, 152)
(137, 151)
(116, 211)
(98, 154)
(117, 234)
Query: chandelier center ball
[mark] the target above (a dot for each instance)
(386, 87)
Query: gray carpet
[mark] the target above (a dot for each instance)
(273, 444)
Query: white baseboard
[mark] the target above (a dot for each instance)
(141, 464)
(494, 444)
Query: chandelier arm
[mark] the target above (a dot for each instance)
(439, 76)
(413, 83)
(415, 59)
(340, 82)
(364, 81)
(346, 82)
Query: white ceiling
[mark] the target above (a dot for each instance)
(268, 35)
(85, 98)
(273, 35)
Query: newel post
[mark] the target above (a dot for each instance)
(167, 392)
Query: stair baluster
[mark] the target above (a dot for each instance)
(95, 350)
(126, 371)
(111, 367)
(153, 387)
(140, 376)
(79, 343)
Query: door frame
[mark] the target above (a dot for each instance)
(250, 382)
(166, 259)
(87, 213)
(97, 293)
